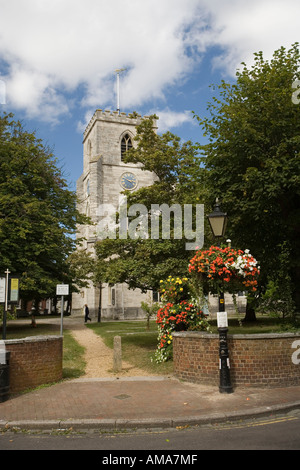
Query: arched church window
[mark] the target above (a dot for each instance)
(126, 144)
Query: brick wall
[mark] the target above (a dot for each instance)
(255, 360)
(34, 361)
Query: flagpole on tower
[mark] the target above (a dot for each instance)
(118, 71)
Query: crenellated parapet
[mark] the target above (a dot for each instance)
(132, 119)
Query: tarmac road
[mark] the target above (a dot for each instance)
(277, 432)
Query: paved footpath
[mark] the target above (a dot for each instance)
(139, 402)
(145, 402)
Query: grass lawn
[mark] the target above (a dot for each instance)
(21, 329)
(138, 343)
(263, 324)
(73, 362)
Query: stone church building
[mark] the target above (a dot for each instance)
(107, 136)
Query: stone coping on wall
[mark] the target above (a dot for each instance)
(32, 339)
(205, 334)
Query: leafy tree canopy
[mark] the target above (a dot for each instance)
(252, 158)
(38, 213)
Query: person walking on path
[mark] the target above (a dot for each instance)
(86, 313)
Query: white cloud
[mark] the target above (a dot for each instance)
(56, 49)
(241, 28)
(55, 46)
(81, 125)
(35, 92)
(2, 92)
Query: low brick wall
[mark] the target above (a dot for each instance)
(34, 361)
(255, 360)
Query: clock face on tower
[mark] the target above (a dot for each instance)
(128, 181)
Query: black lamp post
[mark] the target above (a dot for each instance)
(218, 222)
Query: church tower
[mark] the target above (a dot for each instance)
(107, 136)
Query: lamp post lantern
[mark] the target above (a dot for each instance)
(218, 221)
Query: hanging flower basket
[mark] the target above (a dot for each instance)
(225, 269)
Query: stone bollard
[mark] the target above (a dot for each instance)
(117, 354)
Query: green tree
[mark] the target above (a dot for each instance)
(38, 213)
(140, 263)
(277, 299)
(252, 159)
(143, 262)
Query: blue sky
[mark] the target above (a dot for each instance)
(58, 57)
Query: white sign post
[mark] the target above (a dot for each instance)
(62, 290)
(2, 290)
(2, 300)
(4, 285)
